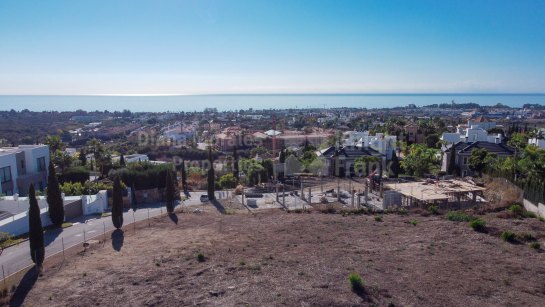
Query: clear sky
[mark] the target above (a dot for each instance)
(276, 46)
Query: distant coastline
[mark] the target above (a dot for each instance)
(231, 102)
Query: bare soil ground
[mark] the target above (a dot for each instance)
(276, 258)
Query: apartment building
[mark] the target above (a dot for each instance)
(20, 166)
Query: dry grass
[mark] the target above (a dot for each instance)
(274, 258)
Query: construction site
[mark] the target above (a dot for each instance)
(304, 191)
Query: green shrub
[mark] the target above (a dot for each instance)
(414, 222)
(143, 175)
(478, 225)
(433, 209)
(516, 209)
(508, 236)
(402, 211)
(227, 181)
(356, 282)
(541, 219)
(378, 218)
(75, 174)
(529, 214)
(200, 257)
(535, 245)
(458, 216)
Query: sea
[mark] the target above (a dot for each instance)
(190, 103)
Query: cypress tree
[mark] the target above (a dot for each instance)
(169, 193)
(82, 157)
(184, 176)
(235, 165)
(451, 169)
(282, 157)
(35, 230)
(122, 160)
(117, 204)
(211, 176)
(54, 197)
(395, 167)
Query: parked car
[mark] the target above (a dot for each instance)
(204, 198)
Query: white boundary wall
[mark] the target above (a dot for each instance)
(94, 204)
(538, 209)
(18, 224)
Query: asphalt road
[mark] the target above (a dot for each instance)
(17, 257)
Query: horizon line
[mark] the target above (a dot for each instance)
(301, 94)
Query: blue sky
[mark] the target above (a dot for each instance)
(281, 46)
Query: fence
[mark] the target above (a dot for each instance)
(58, 251)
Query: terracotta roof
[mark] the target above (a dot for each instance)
(481, 119)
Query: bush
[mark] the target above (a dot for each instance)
(143, 175)
(200, 257)
(457, 216)
(227, 181)
(508, 236)
(541, 219)
(5, 239)
(378, 218)
(402, 211)
(516, 209)
(433, 209)
(535, 245)
(356, 282)
(75, 174)
(77, 189)
(414, 222)
(478, 225)
(529, 214)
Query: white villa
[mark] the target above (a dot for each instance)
(20, 166)
(384, 144)
(476, 130)
(538, 141)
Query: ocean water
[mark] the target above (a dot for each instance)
(257, 102)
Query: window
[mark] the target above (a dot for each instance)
(5, 174)
(41, 164)
(465, 160)
(23, 164)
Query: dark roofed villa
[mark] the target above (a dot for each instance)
(464, 150)
(346, 157)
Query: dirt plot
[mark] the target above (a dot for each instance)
(277, 258)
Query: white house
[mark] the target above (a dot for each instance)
(21, 166)
(476, 130)
(473, 134)
(538, 141)
(136, 158)
(179, 132)
(384, 144)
